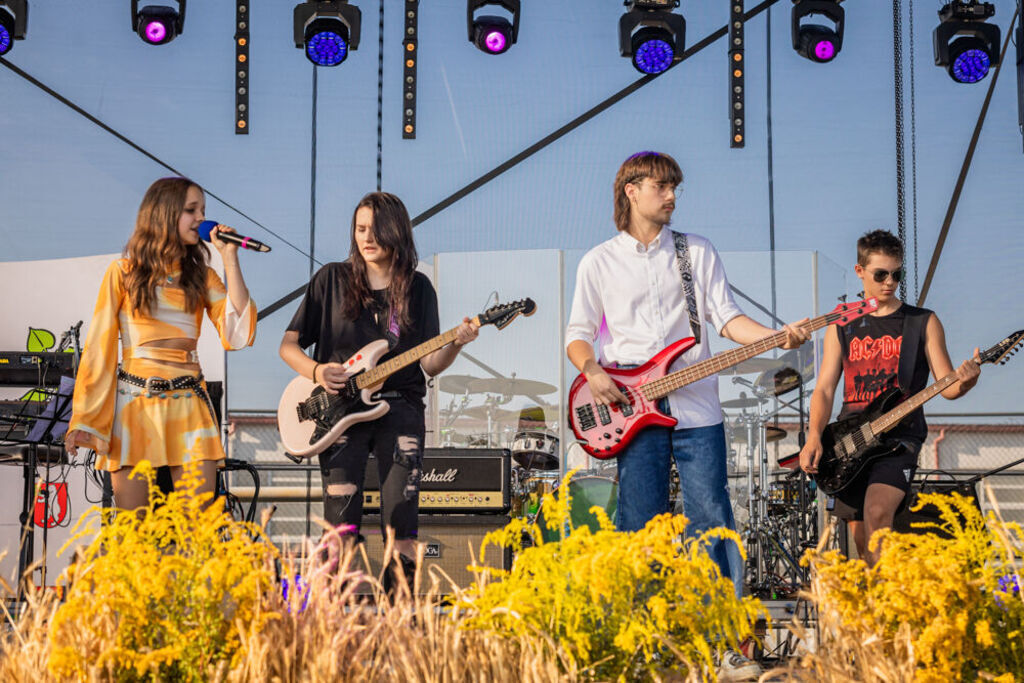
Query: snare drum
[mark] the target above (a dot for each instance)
(585, 492)
(535, 450)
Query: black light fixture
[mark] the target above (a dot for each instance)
(327, 31)
(158, 24)
(13, 23)
(492, 34)
(652, 35)
(1020, 66)
(816, 41)
(964, 42)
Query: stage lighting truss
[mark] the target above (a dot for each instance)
(242, 67)
(327, 31)
(964, 42)
(737, 97)
(492, 34)
(652, 35)
(13, 23)
(815, 41)
(1020, 66)
(158, 24)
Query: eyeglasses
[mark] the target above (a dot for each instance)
(883, 275)
(661, 186)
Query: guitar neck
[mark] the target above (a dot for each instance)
(377, 375)
(664, 386)
(892, 418)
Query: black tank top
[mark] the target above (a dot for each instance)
(872, 347)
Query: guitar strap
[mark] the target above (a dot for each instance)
(686, 276)
(913, 331)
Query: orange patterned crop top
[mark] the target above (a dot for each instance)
(96, 382)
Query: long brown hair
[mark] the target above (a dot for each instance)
(155, 249)
(392, 230)
(654, 165)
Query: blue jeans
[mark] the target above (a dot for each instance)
(700, 456)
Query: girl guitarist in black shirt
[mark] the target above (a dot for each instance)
(375, 294)
(896, 341)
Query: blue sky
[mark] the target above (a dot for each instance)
(68, 188)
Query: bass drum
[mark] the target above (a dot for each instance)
(584, 492)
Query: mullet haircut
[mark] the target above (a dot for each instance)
(654, 165)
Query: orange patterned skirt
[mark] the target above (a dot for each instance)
(171, 428)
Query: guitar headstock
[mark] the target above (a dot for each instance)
(1001, 352)
(847, 313)
(502, 314)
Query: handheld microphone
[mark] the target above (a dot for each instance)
(206, 227)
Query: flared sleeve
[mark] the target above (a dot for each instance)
(237, 329)
(96, 381)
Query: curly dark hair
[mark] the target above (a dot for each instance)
(878, 241)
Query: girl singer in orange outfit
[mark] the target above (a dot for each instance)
(154, 405)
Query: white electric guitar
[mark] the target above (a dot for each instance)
(310, 419)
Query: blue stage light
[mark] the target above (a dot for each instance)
(970, 60)
(653, 51)
(5, 37)
(327, 42)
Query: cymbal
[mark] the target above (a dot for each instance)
(510, 386)
(499, 414)
(774, 433)
(739, 433)
(742, 403)
(455, 384)
(752, 365)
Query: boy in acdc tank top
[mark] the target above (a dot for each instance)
(867, 353)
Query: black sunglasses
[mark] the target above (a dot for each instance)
(883, 275)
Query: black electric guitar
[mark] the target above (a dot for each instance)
(851, 444)
(310, 419)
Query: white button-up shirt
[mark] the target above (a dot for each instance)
(630, 304)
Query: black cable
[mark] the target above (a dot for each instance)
(965, 167)
(771, 162)
(548, 139)
(913, 145)
(312, 181)
(380, 97)
(78, 110)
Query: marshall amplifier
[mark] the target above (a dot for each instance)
(455, 480)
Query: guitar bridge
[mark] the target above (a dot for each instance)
(585, 415)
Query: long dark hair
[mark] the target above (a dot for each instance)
(155, 249)
(392, 230)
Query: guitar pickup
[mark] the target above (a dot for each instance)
(626, 408)
(604, 414)
(585, 416)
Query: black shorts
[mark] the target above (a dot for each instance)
(895, 470)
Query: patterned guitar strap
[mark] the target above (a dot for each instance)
(686, 276)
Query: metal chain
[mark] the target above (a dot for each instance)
(897, 71)
(380, 97)
(913, 144)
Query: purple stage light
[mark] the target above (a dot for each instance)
(495, 41)
(825, 50)
(653, 56)
(970, 66)
(156, 32)
(5, 40)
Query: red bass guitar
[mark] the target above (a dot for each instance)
(604, 430)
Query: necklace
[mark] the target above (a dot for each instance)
(170, 279)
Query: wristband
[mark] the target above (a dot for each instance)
(314, 373)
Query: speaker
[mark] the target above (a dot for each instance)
(929, 513)
(448, 539)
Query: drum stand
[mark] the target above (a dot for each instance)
(772, 568)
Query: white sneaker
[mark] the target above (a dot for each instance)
(735, 667)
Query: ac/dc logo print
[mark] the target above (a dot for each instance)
(872, 365)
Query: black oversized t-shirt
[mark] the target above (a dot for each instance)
(319, 321)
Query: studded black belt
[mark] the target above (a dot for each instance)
(162, 387)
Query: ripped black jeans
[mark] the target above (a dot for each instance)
(396, 441)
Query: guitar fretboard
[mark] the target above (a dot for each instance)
(892, 418)
(663, 386)
(377, 375)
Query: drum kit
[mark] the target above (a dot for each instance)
(780, 519)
